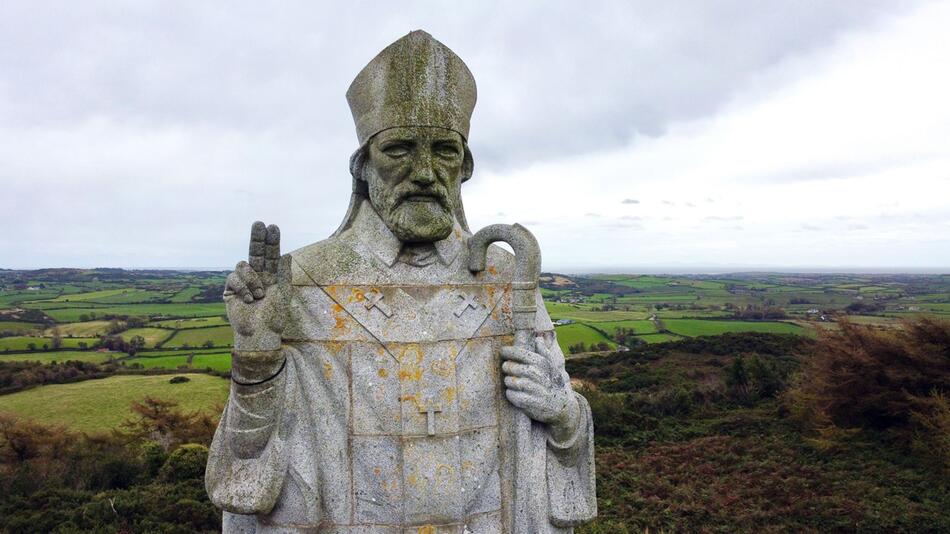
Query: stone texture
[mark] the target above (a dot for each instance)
(375, 388)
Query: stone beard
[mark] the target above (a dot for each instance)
(377, 403)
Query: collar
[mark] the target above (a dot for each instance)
(373, 233)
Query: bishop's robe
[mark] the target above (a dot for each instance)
(387, 414)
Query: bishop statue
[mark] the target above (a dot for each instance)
(401, 375)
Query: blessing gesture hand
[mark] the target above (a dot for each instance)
(257, 292)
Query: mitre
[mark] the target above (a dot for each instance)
(416, 81)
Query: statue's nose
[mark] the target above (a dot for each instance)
(423, 174)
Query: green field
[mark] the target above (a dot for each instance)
(151, 335)
(658, 338)
(100, 405)
(571, 334)
(221, 336)
(702, 327)
(60, 356)
(23, 342)
(139, 310)
(219, 361)
(86, 329)
(191, 323)
(639, 327)
(19, 327)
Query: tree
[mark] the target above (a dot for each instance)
(208, 344)
(57, 340)
(136, 344)
(31, 346)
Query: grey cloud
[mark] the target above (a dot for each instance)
(631, 218)
(811, 227)
(630, 201)
(591, 215)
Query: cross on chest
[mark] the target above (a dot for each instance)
(468, 301)
(430, 409)
(375, 300)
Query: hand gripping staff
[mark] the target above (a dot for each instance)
(524, 306)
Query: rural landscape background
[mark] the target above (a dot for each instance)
(722, 403)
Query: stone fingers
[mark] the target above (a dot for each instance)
(520, 370)
(255, 253)
(272, 249)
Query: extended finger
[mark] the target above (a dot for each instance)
(521, 355)
(251, 279)
(255, 253)
(236, 286)
(271, 249)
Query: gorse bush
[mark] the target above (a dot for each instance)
(871, 379)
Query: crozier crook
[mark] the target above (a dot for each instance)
(523, 310)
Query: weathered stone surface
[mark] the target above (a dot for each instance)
(402, 375)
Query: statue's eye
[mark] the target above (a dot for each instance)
(396, 150)
(447, 150)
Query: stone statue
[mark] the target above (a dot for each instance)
(401, 375)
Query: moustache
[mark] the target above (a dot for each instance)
(437, 194)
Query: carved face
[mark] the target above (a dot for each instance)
(413, 174)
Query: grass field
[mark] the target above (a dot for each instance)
(99, 405)
(151, 335)
(23, 342)
(86, 329)
(191, 323)
(639, 327)
(221, 336)
(68, 315)
(219, 361)
(571, 334)
(19, 327)
(59, 356)
(658, 338)
(701, 327)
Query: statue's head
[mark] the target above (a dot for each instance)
(412, 104)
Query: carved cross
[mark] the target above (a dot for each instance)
(374, 300)
(468, 301)
(430, 410)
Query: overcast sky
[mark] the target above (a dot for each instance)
(627, 135)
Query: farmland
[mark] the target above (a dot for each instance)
(62, 310)
(96, 405)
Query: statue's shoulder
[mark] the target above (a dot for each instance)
(323, 261)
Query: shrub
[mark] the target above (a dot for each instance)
(184, 463)
(179, 380)
(863, 378)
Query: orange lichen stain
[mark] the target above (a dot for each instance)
(492, 270)
(468, 465)
(334, 347)
(411, 398)
(448, 394)
(426, 529)
(444, 471)
(340, 323)
(380, 350)
(458, 234)
(357, 294)
(412, 480)
(327, 370)
(389, 486)
(443, 368)
(377, 471)
(410, 368)
(454, 351)
(383, 373)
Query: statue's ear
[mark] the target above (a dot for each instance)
(356, 163)
(468, 164)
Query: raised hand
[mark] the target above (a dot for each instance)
(257, 292)
(534, 383)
